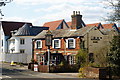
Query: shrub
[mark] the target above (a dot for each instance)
(81, 58)
(64, 68)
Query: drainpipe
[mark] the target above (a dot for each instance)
(88, 46)
(64, 45)
(88, 42)
(33, 48)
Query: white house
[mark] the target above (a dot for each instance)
(5, 28)
(21, 42)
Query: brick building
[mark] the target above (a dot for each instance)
(67, 42)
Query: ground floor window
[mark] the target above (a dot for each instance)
(55, 58)
(71, 59)
(41, 59)
(22, 51)
(91, 57)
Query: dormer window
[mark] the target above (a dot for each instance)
(38, 44)
(70, 43)
(56, 43)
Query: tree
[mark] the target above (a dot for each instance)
(100, 56)
(81, 58)
(114, 54)
(115, 5)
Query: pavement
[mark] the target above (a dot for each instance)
(74, 75)
(24, 69)
(18, 72)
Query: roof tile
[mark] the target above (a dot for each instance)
(53, 24)
(65, 33)
(9, 26)
(108, 26)
(91, 25)
(27, 30)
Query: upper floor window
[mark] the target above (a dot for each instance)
(70, 43)
(38, 44)
(56, 43)
(22, 41)
(2, 42)
(22, 51)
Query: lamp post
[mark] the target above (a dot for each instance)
(48, 43)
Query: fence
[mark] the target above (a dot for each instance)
(16, 57)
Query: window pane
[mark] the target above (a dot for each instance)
(70, 43)
(22, 41)
(39, 44)
(56, 43)
(22, 51)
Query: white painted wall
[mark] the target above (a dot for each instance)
(1, 38)
(27, 46)
(1, 43)
(4, 48)
(16, 57)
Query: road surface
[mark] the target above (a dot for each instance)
(22, 73)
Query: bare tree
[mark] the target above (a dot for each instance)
(115, 6)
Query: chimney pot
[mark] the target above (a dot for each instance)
(76, 12)
(79, 12)
(73, 12)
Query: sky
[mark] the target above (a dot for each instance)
(40, 11)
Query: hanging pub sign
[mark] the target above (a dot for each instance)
(48, 38)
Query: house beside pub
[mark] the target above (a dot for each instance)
(5, 33)
(21, 42)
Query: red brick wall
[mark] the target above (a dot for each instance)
(62, 50)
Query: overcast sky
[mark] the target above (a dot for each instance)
(40, 11)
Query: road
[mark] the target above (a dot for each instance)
(22, 73)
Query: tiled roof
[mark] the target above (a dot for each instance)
(53, 24)
(69, 24)
(65, 33)
(87, 25)
(9, 26)
(27, 30)
(106, 31)
(119, 28)
(91, 25)
(108, 26)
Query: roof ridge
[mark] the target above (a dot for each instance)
(24, 30)
(54, 21)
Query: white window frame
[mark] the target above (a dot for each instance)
(59, 44)
(71, 59)
(36, 45)
(67, 43)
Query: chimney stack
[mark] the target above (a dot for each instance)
(77, 22)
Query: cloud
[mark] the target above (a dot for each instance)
(89, 11)
(51, 10)
(36, 2)
(15, 18)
